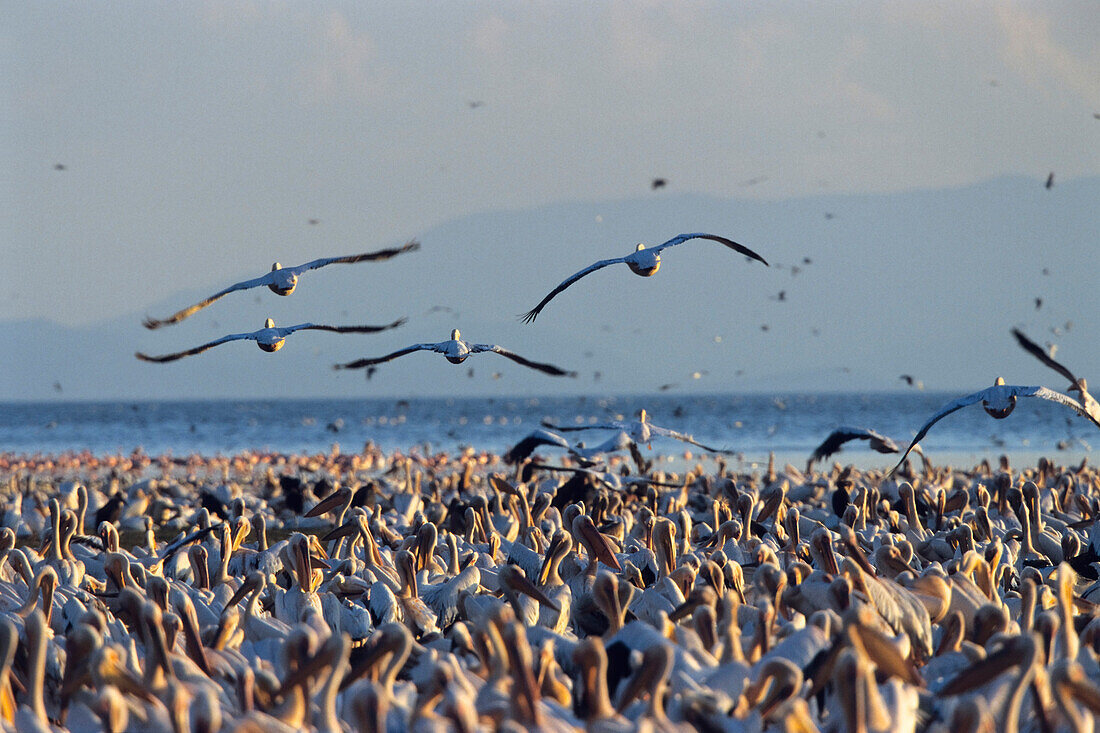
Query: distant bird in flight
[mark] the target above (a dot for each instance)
(59, 167)
(640, 431)
(1050, 181)
(283, 280)
(269, 338)
(457, 351)
(1076, 384)
(842, 435)
(998, 401)
(911, 381)
(658, 183)
(642, 261)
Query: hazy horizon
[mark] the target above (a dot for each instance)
(159, 152)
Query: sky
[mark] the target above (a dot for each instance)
(161, 149)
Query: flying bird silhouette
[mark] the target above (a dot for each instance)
(643, 261)
(270, 338)
(640, 431)
(456, 351)
(842, 435)
(282, 280)
(1076, 384)
(998, 401)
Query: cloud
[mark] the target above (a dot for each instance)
(344, 65)
(1031, 51)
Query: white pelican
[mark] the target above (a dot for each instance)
(842, 435)
(282, 280)
(269, 338)
(1092, 407)
(999, 401)
(456, 351)
(642, 261)
(640, 431)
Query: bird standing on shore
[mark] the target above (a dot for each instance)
(644, 261)
(269, 338)
(282, 280)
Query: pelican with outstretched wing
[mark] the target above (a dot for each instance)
(998, 401)
(640, 431)
(282, 280)
(1076, 384)
(269, 338)
(644, 261)
(456, 351)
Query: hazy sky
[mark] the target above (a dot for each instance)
(199, 138)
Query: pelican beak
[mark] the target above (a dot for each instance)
(884, 654)
(519, 582)
(342, 531)
(981, 672)
(599, 544)
(547, 562)
(249, 585)
(330, 502)
(638, 684)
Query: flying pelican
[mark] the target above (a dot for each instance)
(269, 338)
(282, 280)
(640, 431)
(842, 435)
(456, 351)
(1092, 407)
(999, 401)
(642, 261)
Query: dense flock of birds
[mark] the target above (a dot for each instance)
(269, 592)
(372, 592)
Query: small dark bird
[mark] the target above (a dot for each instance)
(57, 387)
(1038, 303)
(112, 510)
(1050, 181)
(314, 222)
(59, 167)
(658, 183)
(474, 104)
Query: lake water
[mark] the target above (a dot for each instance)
(752, 424)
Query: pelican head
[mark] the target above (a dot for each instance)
(456, 335)
(284, 283)
(644, 262)
(1002, 409)
(269, 323)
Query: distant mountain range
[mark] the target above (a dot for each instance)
(862, 288)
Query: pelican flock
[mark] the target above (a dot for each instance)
(373, 591)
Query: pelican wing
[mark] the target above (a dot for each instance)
(839, 437)
(1040, 353)
(571, 428)
(943, 412)
(360, 363)
(1049, 394)
(377, 256)
(534, 312)
(715, 238)
(533, 440)
(197, 349)
(545, 368)
(180, 315)
(618, 441)
(684, 437)
(341, 329)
